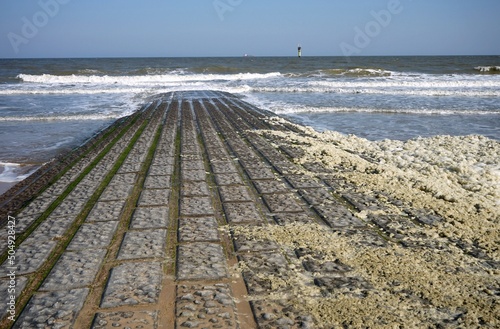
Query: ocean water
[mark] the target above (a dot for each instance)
(48, 106)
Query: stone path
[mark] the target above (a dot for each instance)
(141, 232)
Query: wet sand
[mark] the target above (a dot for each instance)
(204, 211)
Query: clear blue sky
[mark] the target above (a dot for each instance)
(113, 28)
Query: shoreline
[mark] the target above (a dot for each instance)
(13, 175)
(20, 193)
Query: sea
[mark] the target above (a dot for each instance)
(50, 106)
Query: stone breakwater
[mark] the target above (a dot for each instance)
(202, 211)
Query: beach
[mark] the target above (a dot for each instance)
(251, 192)
(204, 210)
(50, 106)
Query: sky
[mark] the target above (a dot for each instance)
(185, 28)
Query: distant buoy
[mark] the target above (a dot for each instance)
(300, 51)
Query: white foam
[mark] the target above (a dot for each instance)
(367, 81)
(13, 172)
(140, 79)
(423, 86)
(71, 91)
(287, 109)
(487, 68)
(64, 117)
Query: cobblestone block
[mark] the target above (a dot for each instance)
(196, 206)
(294, 218)
(198, 229)
(338, 216)
(162, 170)
(199, 306)
(271, 186)
(124, 179)
(130, 167)
(56, 189)
(128, 319)
(261, 269)
(106, 211)
(243, 212)
(195, 189)
(303, 181)
(163, 158)
(243, 244)
(69, 207)
(317, 196)
(22, 223)
(133, 284)
(228, 179)
(83, 192)
(57, 309)
(234, 194)
(192, 165)
(116, 192)
(74, 270)
(223, 167)
(194, 175)
(260, 173)
(95, 235)
(287, 202)
(190, 149)
(158, 182)
(150, 218)
(201, 261)
(154, 198)
(252, 162)
(143, 244)
(54, 227)
(279, 314)
(217, 154)
(37, 206)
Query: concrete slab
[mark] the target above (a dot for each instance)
(133, 284)
(196, 206)
(57, 309)
(242, 212)
(106, 211)
(201, 261)
(138, 319)
(143, 244)
(196, 229)
(94, 235)
(74, 270)
(158, 182)
(151, 198)
(205, 306)
(144, 218)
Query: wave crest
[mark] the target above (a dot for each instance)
(488, 69)
(82, 117)
(140, 79)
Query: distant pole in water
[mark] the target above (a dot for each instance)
(300, 51)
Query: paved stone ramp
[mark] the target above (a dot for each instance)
(139, 232)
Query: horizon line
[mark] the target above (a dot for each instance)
(241, 56)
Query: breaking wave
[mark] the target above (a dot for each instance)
(488, 69)
(280, 109)
(91, 117)
(140, 79)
